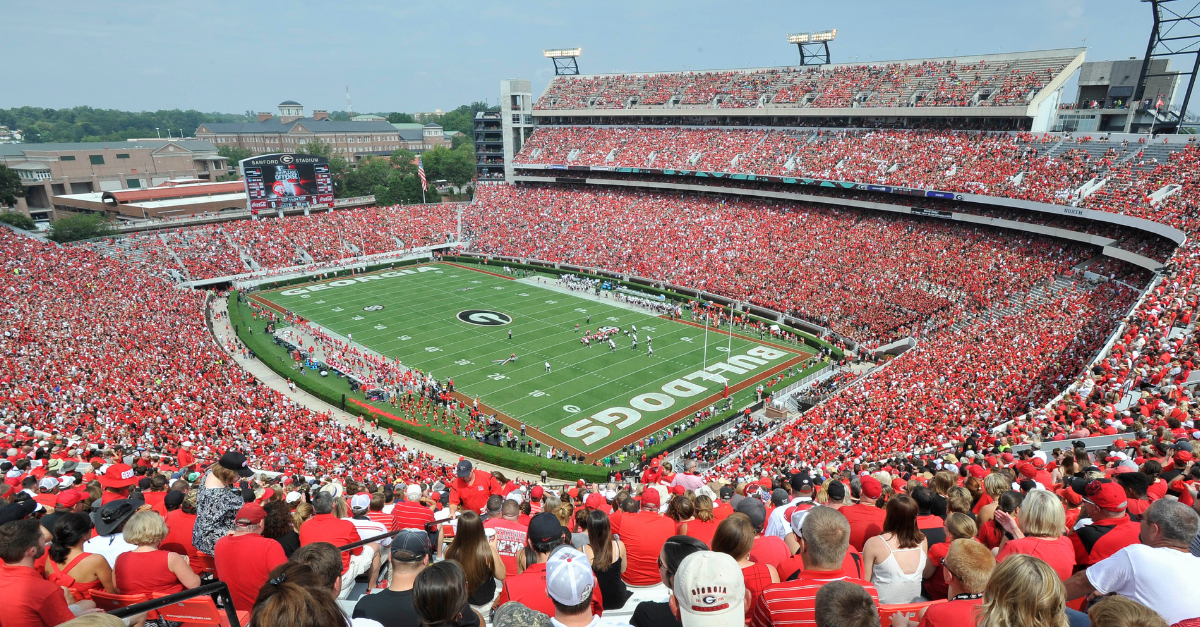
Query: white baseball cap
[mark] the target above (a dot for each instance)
(360, 501)
(293, 497)
(48, 483)
(569, 578)
(413, 490)
(710, 590)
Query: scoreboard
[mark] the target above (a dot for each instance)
(282, 181)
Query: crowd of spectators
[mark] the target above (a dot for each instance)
(943, 83)
(216, 250)
(859, 273)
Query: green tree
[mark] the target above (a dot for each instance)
(10, 187)
(88, 124)
(365, 176)
(464, 139)
(400, 118)
(316, 148)
(455, 166)
(234, 154)
(19, 220)
(81, 226)
(405, 161)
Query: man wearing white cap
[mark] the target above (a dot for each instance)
(367, 528)
(569, 584)
(709, 591)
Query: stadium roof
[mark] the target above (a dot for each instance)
(273, 125)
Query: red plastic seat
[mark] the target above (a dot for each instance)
(108, 601)
(909, 610)
(199, 611)
(202, 563)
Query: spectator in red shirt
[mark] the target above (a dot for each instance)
(644, 534)
(472, 488)
(327, 527)
(767, 549)
(704, 525)
(529, 587)
(411, 513)
(1038, 531)
(30, 601)
(824, 540)
(1104, 502)
(116, 481)
(510, 534)
(147, 568)
(968, 566)
(245, 559)
(866, 520)
(959, 526)
(722, 509)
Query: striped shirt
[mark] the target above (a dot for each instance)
(793, 603)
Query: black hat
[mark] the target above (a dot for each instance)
(234, 460)
(112, 515)
(755, 509)
(544, 527)
(801, 483)
(726, 492)
(173, 499)
(17, 511)
(464, 469)
(836, 491)
(410, 545)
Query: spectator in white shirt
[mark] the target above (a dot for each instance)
(1159, 573)
(110, 523)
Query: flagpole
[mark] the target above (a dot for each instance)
(705, 339)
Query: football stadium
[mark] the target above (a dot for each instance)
(900, 342)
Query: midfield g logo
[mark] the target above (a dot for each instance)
(484, 317)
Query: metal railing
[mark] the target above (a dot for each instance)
(218, 590)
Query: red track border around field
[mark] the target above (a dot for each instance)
(546, 438)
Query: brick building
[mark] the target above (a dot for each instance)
(50, 170)
(291, 130)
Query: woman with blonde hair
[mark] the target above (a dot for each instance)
(479, 558)
(994, 485)
(148, 569)
(302, 514)
(704, 524)
(958, 499)
(1024, 591)
(895, 560)
(1119, 611)
(959, 526)
(1038, 531)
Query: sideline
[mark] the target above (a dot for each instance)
(223, 334)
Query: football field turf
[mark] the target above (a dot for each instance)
(453, 321)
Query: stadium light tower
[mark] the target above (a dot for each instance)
(564, 59)
(1175, 36)
(814, 47)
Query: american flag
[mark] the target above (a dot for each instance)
(421, 173)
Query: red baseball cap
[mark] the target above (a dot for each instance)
(651, 497)
(899, 485)
(252, 513)
(68, 498)
(118, 476)
(1107, 495)
(871, 488)
(1038, 462)
(677, 489)
(1070, 496)
(535, 492)
(594, 500)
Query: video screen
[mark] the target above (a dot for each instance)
(279, 181)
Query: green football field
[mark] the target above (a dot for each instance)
(454, 321)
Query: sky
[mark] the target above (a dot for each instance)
(400, 56)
